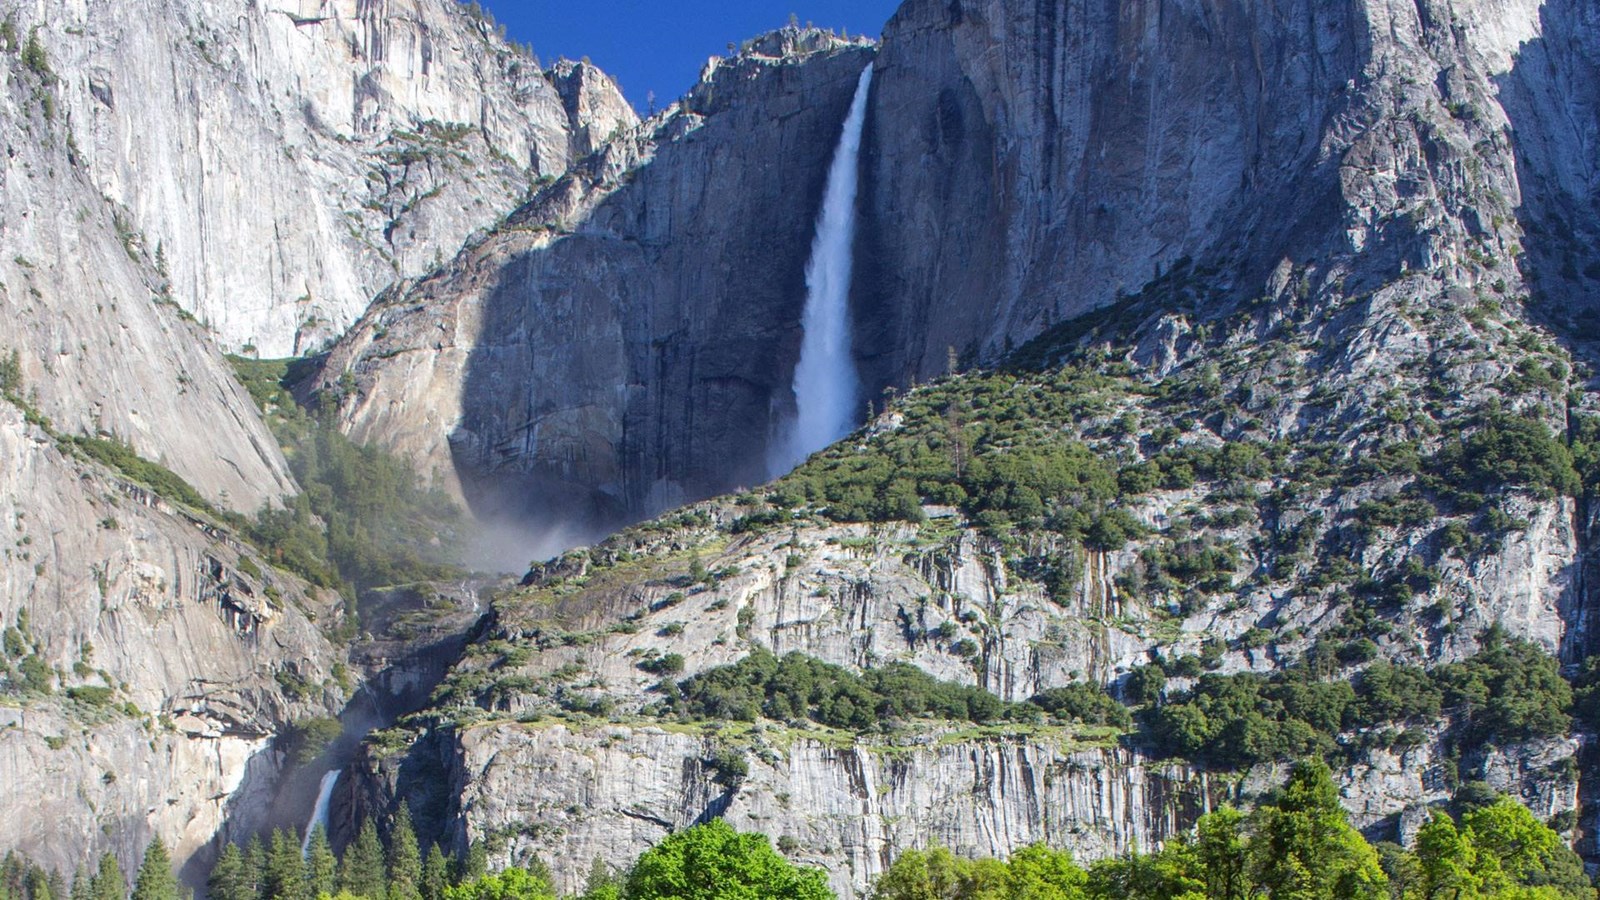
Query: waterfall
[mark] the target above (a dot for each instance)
(825, 385)
(319, 813)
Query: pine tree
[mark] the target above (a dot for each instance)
(81, 884)
(474, 864)
(322, 867)
(57, 885)
(38, 884)
(1305, 848)
(108, 883)
(228, 879)
(13, 876)
(155, 880)
(286, 872)
(255, 868)
(435, 874)
(363, 873)
(405, 859)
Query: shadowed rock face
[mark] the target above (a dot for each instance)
(1551, 104)
(622, 345)
(1029, 161)
(625, 342)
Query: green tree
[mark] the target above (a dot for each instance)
(474, 864)
(229, 879)
(255, 867)
(322, 867)
(363, 873)
(1305, 849)
(602, 883)
(435, 874)
(13, 876)
(286, 869)
(932, 874)
(1220, 849)
(81, 883)
(714, 862)
(108, 883)
(1038, 873)
(37, 884)
(155, 880)
(405, 858)
(1528, 853)
(509, 884)
(1405, 873)
(1447, 862)
(1171, 874)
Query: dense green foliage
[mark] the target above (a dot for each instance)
(801, 687)
(1509, 691)
(1503, 450)
(122, 458)
(714, 862)
(988, 444)
(1083, 702)
(797, 687)
(362, 521)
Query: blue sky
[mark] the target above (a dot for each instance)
(660, 47)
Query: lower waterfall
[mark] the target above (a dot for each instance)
(319, 813)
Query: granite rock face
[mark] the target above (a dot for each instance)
(1105, 142)
(504, 758)
(570, 796)
(289, 159)
(174, 654)
(176, 657)
(1024, 165)
(621, 344)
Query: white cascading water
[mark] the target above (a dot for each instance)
(319, 813)
(826, 389)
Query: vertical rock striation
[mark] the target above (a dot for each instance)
(291, 158)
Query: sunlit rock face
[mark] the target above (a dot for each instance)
(292, 158)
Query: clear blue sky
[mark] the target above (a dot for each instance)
(661, 46)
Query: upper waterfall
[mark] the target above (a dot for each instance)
(826, 389)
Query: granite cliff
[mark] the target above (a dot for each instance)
(158, 667)
(1023, 166)
(617, 347)
(290, 159)
(151, 658)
